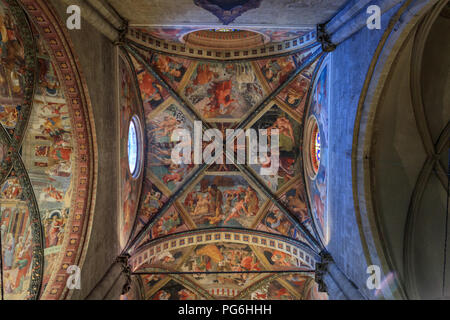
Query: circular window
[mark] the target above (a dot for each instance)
(133, 146)
(315, 148)
(312, 148)
(225, 30)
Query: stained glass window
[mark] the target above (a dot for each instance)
(132, 148)
(224, 30)
(315, 148)
(317, 142)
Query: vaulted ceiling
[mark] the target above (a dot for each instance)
(221, 231)
(410, 159)
(46, 155)
(207, 231)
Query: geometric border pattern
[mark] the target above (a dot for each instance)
(303, 255)
(271, 49)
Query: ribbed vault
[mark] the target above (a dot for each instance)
(405, 156)
(220, 231)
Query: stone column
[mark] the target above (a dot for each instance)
(349, 21)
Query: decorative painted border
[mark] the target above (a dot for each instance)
(293, 248)
(271, 49)
(223, 292)
(75, 91)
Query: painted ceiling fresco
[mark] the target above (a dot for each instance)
(44, 197)
(223, 92)
(193, 231)
(224, 230)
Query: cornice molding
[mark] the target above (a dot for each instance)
(305, 256)
(272, 49)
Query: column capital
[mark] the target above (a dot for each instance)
(322, 269)
(324, 39)
(122, 35)
(126, 271)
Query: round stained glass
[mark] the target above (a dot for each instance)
(315, 148)
(317, 143)
(225, 30)
(133, 148)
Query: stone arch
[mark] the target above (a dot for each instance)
(372, 235)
